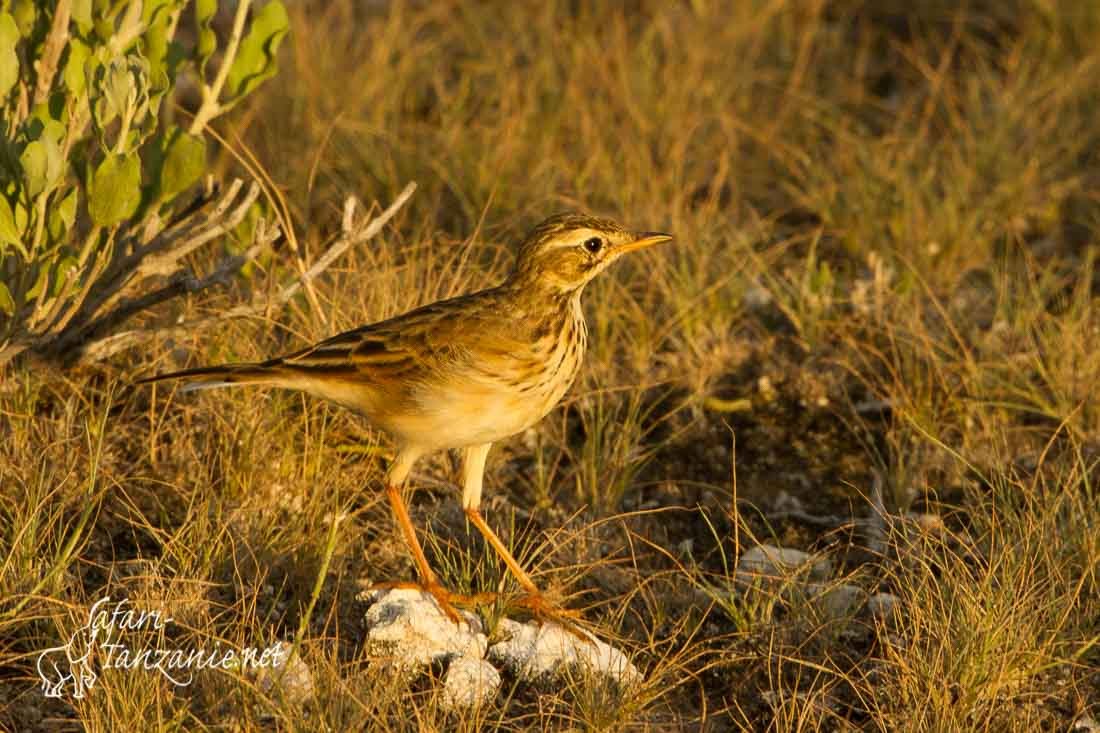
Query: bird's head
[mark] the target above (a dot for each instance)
(564, 252)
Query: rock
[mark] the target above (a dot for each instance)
(883, 606)
(836, 601)
(408, 624)
(1087, 723)
(469, 682)
(772, 561)
(756, 296)
(292, 679)
(532, 651)
(930, 524)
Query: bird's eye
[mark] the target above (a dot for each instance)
(593, 245)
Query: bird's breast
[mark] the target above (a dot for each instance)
(504, 393)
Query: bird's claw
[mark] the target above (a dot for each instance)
(445, 599)
(545, 610)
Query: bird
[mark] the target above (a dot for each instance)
(461, 373)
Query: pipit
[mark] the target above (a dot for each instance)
(460, 373)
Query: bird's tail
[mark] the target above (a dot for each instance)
(225, 375)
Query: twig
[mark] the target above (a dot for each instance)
(12, 349)
(348, 238)
(828, 521)
(51, 51)
(217, 223)
(107, 346)
(210, 108)
(174, 246)
(182, 282)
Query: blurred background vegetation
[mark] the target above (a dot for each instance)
(875, 338)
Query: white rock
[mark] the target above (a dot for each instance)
(535, 650)
(756, 296)
(469, 682)
(292, 678)
(408, 624)
(772, 561)
(883, 605)
(836, 601)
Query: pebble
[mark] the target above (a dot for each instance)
(408, 627)
(292, 679)
(532, 651)
(883, 606)
(772, 561)
(469, 682)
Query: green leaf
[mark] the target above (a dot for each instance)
(114, 191)
(42, 125)
(63, 272)
(104, 30)
(9, 61)
(155, 43)
(184, 162)
(207, 41)
(159, 16)
(120, 88)
(39, 283)
(34, 163)
(9, 233)
(25, 13)
(117, 86)
(42, 164)
(22, 218)
(62, 215)
(73, 73)
(81, 12)
(7, 303)
(152, 9)
(256, 60)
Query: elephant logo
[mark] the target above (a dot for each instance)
(70, 665)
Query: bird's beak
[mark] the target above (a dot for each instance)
(643, 240)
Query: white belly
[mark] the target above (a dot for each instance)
(471, 414)
(478, 407)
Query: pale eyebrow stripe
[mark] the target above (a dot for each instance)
(573, 242)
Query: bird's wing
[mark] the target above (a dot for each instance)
(409, 348)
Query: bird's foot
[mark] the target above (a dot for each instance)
(544, 609)
(445, 599)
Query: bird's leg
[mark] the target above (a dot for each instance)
(428, 579)
(423, 569)
(471, 499)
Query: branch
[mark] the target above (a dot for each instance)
(210, 107)
(181, 282)
(348, 238)
(161, 256)
(182, 244)
(103, 348)
(51, 51)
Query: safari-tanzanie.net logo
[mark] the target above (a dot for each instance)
(70, 669)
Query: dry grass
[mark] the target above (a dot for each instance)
(887, 218)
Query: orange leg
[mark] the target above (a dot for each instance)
(428, 578)
(535, 601)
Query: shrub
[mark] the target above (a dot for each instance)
(95, 174)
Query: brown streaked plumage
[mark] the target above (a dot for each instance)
(459, 373)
